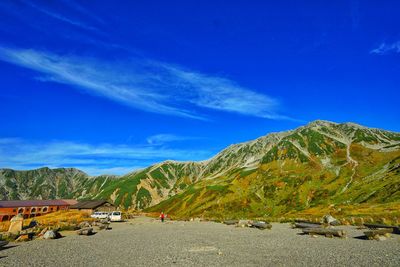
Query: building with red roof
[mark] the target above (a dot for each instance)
(32, 208)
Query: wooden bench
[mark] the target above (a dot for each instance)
(307, 225)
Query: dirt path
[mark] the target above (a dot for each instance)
(352, 162)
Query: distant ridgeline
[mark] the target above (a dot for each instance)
(321, 163)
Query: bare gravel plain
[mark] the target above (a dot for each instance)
(147, 242)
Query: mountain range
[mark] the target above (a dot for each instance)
(321, 163)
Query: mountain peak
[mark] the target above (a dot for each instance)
(321, 123)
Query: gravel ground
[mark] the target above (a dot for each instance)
(145, 242)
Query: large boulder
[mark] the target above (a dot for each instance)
(16, 224)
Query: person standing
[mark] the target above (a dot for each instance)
(162, 216)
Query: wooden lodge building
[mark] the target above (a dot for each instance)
(32, 208)
(91, 206)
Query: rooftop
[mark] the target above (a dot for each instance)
(32, 203)
(89, 204)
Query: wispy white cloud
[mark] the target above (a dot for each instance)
(147, 85)
(60, 17)
(160, 139)
(385, 48)
(120, 83)
(95, 159)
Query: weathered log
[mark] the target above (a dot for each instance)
(307, 225)
(375, 226)
(325, 231)
(396, 229)
(261, 225)
(231, 222)
(375, 233)
(305, 221)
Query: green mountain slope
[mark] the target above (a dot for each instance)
(321, 163)
(45, 183)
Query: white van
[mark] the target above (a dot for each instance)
(115, 216)
(100, 215)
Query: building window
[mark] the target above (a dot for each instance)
(20, 210)
(51, 209)
(45, 209)
(27, 209)
(39, 209)
(33, 210)
(14, 210)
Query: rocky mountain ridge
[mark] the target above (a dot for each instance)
(326, 161)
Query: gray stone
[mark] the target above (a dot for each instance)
(50, 234)
(85, 231)
(329, 219)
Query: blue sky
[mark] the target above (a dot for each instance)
(112, 87)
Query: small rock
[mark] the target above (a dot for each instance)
(330, 220)
(243, 223)
(219, 253)
(105, 221)
(85, 231)
(3, 243)
(50, 234)
(84, 224)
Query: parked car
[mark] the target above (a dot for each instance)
(100, 215)
(115, 216)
